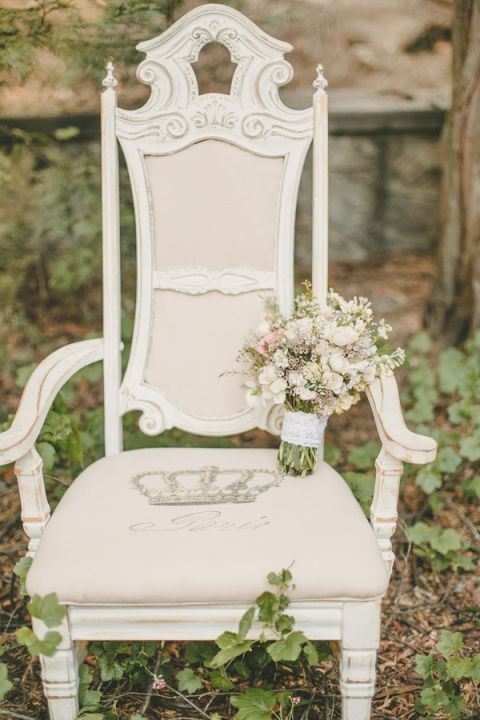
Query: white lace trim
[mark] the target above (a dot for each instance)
(304, 429)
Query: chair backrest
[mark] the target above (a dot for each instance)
(215, 181)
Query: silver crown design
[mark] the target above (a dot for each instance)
(205, 486)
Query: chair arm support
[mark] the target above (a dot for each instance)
(43, 385)
(397, 439)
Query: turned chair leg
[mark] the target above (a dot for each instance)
(360, 640)
(60, 675)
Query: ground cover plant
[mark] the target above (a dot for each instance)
(429, 662)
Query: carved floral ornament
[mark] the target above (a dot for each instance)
(175, 108)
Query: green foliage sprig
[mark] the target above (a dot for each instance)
(444, 672)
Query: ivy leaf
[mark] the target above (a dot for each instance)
(422, 411)
(464, 562)
(230, 648)
(428, 480)
(282, 578)
(446, 541)
(268, 605)
(424, 665)
(420, 533)
(470, 448)
(420, 343)
(447, 460)
(449, 643)
(255, 704)
(472, 486)
(47, 453)
(451, 369)
(310, 652)
(200, 652)
(246, 623)
(47, 609)
(188, 681)
(109, 668)
(363, 457)
(36, 646)
(458, 667)
(433, 697)
(90, 699)
(475, 669)
(21, 570)
(5, 684)
(288, 649)
(332, 453)
(220, 680)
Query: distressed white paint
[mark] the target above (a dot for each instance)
(35, 508)
(112, 366)
(199, 280)
(177, 114)
(252, 117)
(320, 188)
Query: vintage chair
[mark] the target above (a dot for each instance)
(174, 544)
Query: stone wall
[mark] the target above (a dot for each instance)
(384, 178)
(384, 172)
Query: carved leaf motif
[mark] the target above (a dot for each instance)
(214, 114)
(230, 281)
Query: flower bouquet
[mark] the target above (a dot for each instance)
(316, 362)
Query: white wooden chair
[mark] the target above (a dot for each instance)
(174, 544)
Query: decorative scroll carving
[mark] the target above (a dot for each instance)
(253, 104)
(200, 280)
(35, 507)
(214, 114)
(383, 512)
(152, 421)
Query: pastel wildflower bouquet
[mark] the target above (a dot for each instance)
(315, 362)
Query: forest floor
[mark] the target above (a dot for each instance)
(419, 603)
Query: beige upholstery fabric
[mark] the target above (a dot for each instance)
(106, 544)
(214, 205)
(197, 338)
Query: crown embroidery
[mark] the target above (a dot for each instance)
(206, 486)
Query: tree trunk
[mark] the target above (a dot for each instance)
(453, 310)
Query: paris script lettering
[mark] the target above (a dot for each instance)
(200, 522)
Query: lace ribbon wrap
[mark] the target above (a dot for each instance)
(304, 429)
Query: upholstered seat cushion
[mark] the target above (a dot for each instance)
(138, 527)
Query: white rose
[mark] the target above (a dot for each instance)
(296, 379)
(306, 394)
(279, 398)
(262, 329)
(278, 386)
(369, 374)
(339, 363)
(344, 335)
(345, 402)
(267, 375)
(332, 381)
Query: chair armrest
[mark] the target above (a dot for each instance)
(396, 438)
(43, 385)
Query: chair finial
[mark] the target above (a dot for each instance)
(109, 81)
(320, 83)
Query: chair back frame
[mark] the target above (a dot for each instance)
(175, 118)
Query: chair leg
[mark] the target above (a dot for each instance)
(360, 640)
(60, 675)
